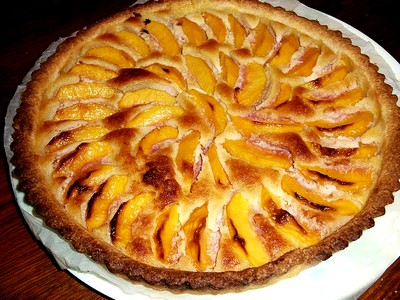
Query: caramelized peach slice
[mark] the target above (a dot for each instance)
(146, 96)
(166, 233)
(248, 127)
(343, 176)
(84, 90)
(220, 176)
(194, 33)
(211, 109)
(254, 80)
(113, 56)
(156, 136)
(244, 237)
(352, 125)
(230, 69)
(289, 44)
(99, 175)
(84, 154)
(256, 155)
(263, 41)
(167, 72)
(99, 204)
(197, 238)
(266, 198)
(164, 37)
(121, 225)
(134, 41)
(238, 31)
(306, 62)
(311, 198)
(155, 115)
(84, 111)
(287, 225)
(362, 151)
(93, 72)
(76, 135)
(185, 158)
(202, 72)
(88, 182)
(217, 26)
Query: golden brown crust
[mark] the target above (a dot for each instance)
(42, 173)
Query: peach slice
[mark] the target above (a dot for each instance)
(230, 69)
(88, 183)
(194, 33)
(287, 225)
(98, 206)
(146, 96)
(348, 97)
(254, 80)
(121, 224)
(220, 176)
(85, 90)
(166, 233)
(351, 125)
(244, 237)
(315, 200)
(134, 41)
(99, 175)
(84, 154)
(84, 111)
(113, 56)
(201, 102)
(256, 155)
(211, 109)
(345, 91)
(217, 26)
(248, 127)
(306, 62)
(283, 94)
(76, 135)
(238, 30)
(362, 151)
(202, 72)
(156, 136)
(93, 72)
(164, 37)
(366, 151)
(185, 157)
(343, 176)
(337, 74)
(155, 115)
(167, 72)
(264, 40)
(196, 238)
(289, 44)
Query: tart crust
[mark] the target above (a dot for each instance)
(35, 165)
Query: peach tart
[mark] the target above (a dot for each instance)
(207, 145)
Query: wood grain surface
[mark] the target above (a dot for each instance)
(27, 270)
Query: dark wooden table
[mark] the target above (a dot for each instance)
(27, 271)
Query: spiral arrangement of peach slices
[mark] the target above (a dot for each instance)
(211, 141)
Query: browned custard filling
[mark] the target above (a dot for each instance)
(209, 138)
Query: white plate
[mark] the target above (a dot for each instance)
(346, 275)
